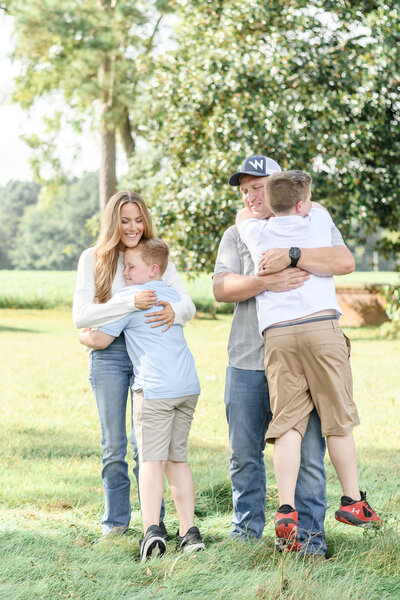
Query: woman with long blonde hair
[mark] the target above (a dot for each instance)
(125, 222)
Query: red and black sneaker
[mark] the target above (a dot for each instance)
(286, 519)
(287, 545)
(357, 512)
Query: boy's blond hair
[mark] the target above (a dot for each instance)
(283, 190)
(153, 251)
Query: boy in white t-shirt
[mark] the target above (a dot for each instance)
(306, 353)
(166, 389)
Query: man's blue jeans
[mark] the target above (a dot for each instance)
(111, 377)
(248, 414)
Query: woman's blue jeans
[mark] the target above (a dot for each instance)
(248, 414)
(111, 378)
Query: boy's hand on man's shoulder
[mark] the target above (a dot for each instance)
(242, 215)
(318, 205)
(145, 299)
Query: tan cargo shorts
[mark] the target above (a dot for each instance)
(308, 366)
(162, 426)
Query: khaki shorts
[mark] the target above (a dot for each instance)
(309, 365)
(162, 426)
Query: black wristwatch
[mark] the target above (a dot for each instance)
(294, 255)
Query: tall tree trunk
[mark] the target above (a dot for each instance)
(125, 131)
(107, 175)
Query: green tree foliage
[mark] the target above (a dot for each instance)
(15, 197)
(314, 84)
(391, 298)
(53, 233)
(92, 53)
(367, 167)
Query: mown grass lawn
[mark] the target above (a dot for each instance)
(54, 289)
(51, 496)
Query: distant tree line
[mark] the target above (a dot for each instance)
(42, 231)
(38, 232)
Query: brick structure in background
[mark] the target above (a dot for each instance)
(360, 306)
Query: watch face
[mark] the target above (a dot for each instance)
(294, 253)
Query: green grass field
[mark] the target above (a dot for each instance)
(36, 289)
(51, 289)
(365, 278)
(55, 289)
(51, 495)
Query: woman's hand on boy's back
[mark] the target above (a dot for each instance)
(163, 317)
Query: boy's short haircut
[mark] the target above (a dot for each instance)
(154, 251)
(283, 190)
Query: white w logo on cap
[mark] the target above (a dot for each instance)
(257, 164)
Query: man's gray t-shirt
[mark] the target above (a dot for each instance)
(245, 346)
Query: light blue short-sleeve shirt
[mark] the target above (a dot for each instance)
(162, 362)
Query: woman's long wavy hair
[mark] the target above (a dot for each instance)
(106, 249)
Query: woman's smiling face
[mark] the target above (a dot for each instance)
(132, 225)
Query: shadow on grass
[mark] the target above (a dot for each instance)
(212, 499)
(210, 464)
(8, 329)
(29, 443)
(372, 338)
(364, 333)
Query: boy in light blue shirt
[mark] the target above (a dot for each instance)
(166, 389)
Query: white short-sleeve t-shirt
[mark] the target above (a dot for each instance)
(318, 293)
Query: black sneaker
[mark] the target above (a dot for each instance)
(153, 543)
(191, 541)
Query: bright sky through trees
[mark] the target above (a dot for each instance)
(14, 122)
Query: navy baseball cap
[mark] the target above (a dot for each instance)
(258, 166)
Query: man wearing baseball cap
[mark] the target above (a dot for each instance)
(246, 390)
(255, 166)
